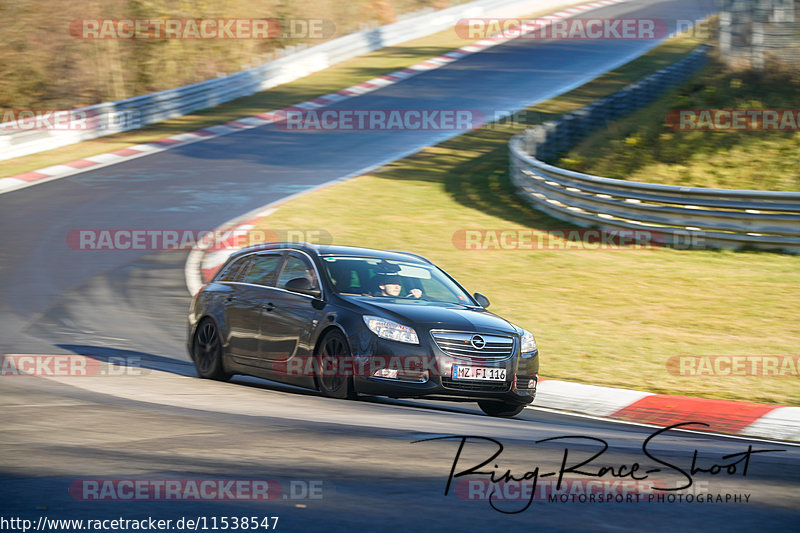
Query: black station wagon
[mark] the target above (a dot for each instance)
(349, 321)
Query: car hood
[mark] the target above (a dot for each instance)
(440, 316)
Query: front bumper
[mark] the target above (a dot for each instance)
(418, 371)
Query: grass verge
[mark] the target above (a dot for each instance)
(642, 147)
(605, 317)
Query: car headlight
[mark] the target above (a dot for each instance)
(389, 329)
(528, 342)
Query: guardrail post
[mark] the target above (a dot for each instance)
(582, 125)
(636, 97)
(593, 119)
(547, 148)
(620, 105)
(567, 131)
(534, 138)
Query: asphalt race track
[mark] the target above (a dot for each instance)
(342, 466)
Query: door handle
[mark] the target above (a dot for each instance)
(268, 307)
(230, 299)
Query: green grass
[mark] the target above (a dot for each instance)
(327, 81)
(610, 317)
(642, 147)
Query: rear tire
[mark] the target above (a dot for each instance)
(207, 351)
(500, 409)
(333, 380)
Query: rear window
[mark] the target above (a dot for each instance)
(231, 272)
(294, 268)
(263, 270)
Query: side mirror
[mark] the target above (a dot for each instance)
(482, 300)
(303, 286)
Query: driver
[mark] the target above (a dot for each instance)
(390, 286)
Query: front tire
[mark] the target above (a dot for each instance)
(333, 380)
(500, 409)
(207, 351)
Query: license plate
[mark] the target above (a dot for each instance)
(479, 373)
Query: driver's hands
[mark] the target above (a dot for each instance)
(415, 293)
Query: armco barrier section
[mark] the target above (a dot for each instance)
(139, 111)
(681, 216)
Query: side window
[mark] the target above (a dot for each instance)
(231, 273)
(344, 278)
(263, 269)
(297, 267)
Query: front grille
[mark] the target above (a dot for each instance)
(488, 386)
(466, 345)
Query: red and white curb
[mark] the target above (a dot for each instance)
(42, 175)
(722, 416)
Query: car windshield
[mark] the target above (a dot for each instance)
(387, 278)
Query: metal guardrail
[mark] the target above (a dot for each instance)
(680, 216)
(139, 111)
